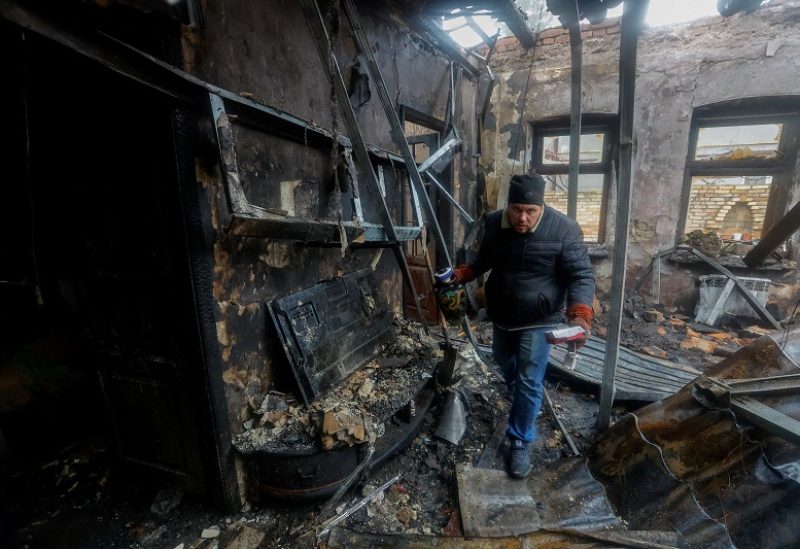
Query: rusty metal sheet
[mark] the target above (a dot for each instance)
(708, 473)
(638, 377)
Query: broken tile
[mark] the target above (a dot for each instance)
(247, 538)
(652, 350)
(653, 316)
(676, 323)
(699, 344)
(210, 532)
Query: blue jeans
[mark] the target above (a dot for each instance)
(522, 357)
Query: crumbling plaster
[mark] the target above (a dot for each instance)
(679, 68)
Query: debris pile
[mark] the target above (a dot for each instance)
(355, 411)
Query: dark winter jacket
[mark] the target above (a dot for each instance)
(534, 273)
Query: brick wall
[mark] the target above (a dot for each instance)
(559, 35)
(709, 204)
(589, 205)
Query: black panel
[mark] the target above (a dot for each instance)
(330, 329)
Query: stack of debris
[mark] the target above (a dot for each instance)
(352, 414)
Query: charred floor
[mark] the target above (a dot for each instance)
(221, 234)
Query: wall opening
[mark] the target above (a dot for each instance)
(551, 159)
(740, 167)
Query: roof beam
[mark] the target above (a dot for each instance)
(515, 19)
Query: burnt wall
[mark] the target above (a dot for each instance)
(679, 69)
(266, 52)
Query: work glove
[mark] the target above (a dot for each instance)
(463, 274)
(580, 315)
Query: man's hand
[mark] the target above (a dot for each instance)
(581, 315)
(463, 274)
(578, 321)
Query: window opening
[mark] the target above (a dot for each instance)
(739, 171)
(738, 142)
(734, 207)
(551, 160)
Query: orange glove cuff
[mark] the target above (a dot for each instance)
(580, 311)
(463, 273)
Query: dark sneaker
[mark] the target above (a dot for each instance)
(519, 462)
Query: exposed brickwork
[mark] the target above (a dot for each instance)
(709, 205)
(589, 205)
(559, 35)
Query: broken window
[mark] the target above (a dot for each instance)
(739, 170)
(738, 142)
(551, 159)
(734, 207)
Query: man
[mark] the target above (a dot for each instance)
(538, 262)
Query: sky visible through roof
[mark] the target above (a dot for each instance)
(659, 13)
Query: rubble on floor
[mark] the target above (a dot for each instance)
(351, 414)
(422, 507)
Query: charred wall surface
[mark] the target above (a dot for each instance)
(267, 53)
(679, 69)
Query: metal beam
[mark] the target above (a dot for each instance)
(769, 419)
(446, 43)
(316, 23)
(468, 218)
(446, 150)
(782, 230)
(632, 22)
(513, 17)
(398, 135)
(575, 112)
(754, 303)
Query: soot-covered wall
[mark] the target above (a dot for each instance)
(266, 52)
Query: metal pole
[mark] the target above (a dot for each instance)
(316, 24)
(632, 20)
(576, 53)
(398, 136)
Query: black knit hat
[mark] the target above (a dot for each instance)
(526, 189)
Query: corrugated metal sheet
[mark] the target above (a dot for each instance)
(706, 472)
(639, 376)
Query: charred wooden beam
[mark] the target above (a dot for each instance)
(782, 230)
(446, 43)
(515, 19)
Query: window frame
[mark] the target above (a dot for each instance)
(591, 124)
(781, 168)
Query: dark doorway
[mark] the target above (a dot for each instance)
(103, 338)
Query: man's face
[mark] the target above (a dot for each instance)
(523, 216)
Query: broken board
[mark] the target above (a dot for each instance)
(331, 329)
